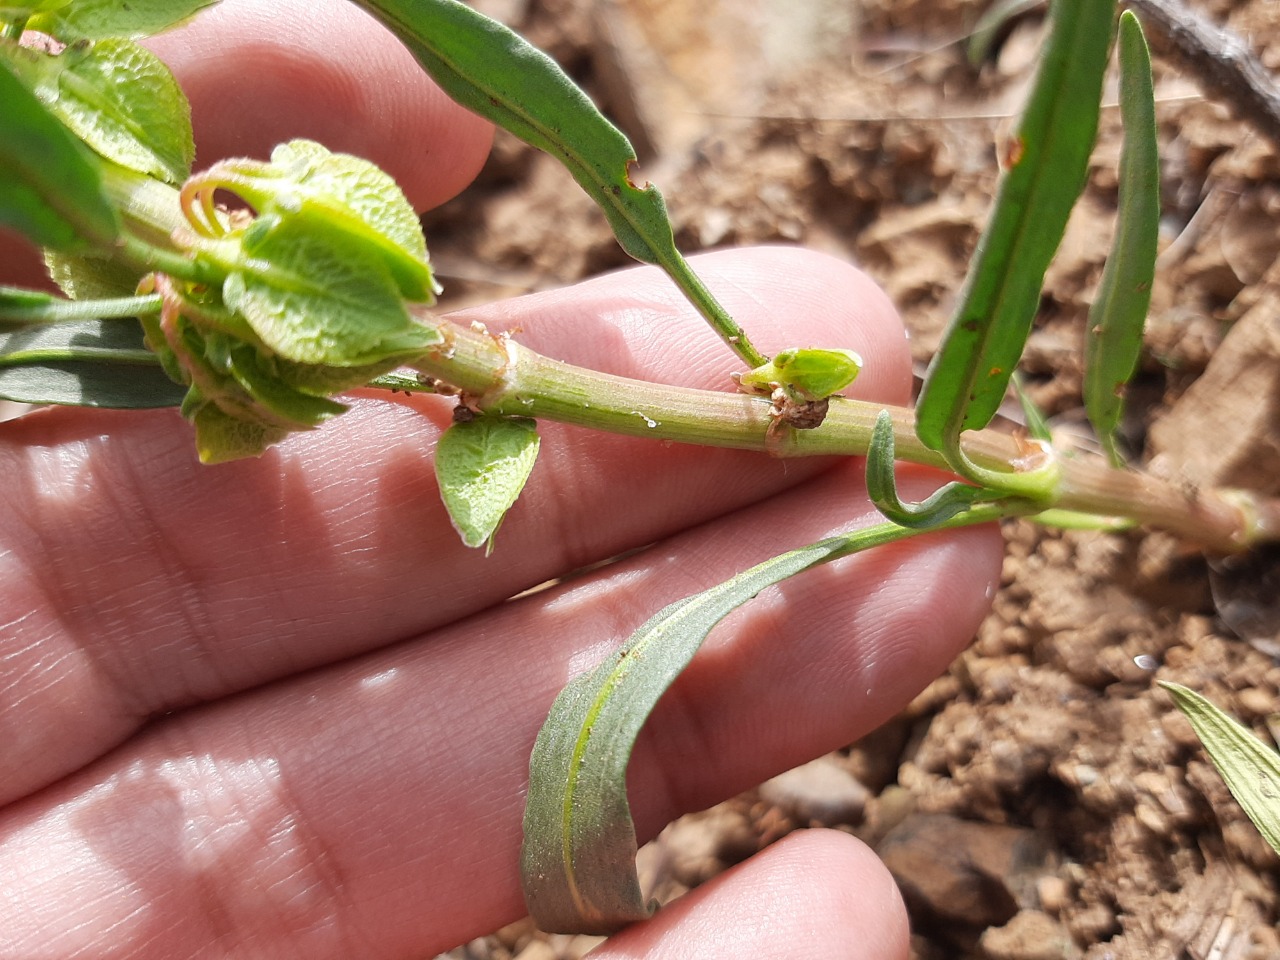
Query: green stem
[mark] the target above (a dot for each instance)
(20, 358)
(149, 258)
(500, 376)
(696, 291)
(151, 213)
(55, 310)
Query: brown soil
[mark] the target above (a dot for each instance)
(1078, 815)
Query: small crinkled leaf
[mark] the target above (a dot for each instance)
(326, 381)
(50, 185)
(481, 467)
(87, 277)
(315, 299)
(15, 12)
(378, 210)
(365, 188)
(1250, 768)
(124, 103)
(91, 363)
(257, 377)
(223, 371)
(221, 438)
(98, 19)
(1113, 337)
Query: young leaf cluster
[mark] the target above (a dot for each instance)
(262, 313)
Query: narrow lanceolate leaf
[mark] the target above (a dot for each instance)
(1250, 768)
(1113, 337)
(120, 99)
(578, 858)
(578, 861)
(1046, 163)
(92, 363)
(50, 187)
(492, 71)
(481, 467)
(98, 19)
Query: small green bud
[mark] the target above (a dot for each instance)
(806, 374)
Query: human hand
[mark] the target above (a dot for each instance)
(274, 707)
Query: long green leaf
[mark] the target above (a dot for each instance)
(50, 187)
(580, 844)
(494, 72)
(1114, 332)
(578, 859)
(1250, 768)
(1047, 161)
(91, 363)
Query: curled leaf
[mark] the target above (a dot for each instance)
(882, 486)
(578, 858)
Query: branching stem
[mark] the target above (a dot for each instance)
(498, 375)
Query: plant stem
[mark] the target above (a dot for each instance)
(730, 332)
(498, 375)
(22, 358)
(151, 215)
(54, 310)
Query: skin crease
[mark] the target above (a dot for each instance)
(275, 709)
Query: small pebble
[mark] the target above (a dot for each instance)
(819, 793)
